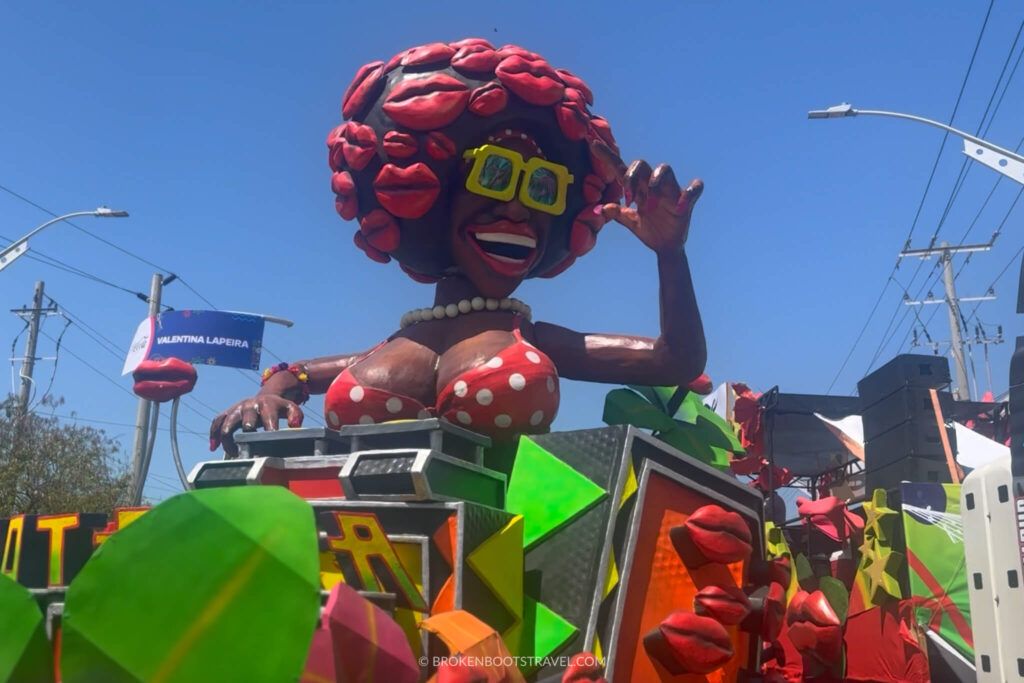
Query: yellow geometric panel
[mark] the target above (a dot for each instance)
(612, 578)
(410, 554)
(498, 562)
(630, 488)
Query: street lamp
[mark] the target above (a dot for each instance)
(19, 247)
(1009, 164)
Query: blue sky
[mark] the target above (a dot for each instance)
(207, 122)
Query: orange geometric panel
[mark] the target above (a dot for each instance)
(659, 583)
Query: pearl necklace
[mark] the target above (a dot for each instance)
(473, 305)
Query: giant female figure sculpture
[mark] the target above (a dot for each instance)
(475, 168)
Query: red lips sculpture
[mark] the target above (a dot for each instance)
(814, 627)
(688, 643)
(163, 380)
(726, 604)
(719, 535)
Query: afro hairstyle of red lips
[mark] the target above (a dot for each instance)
(408, 121)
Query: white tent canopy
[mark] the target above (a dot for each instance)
(973, 449)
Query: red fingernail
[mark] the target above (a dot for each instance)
(213, 444)
(598, 210)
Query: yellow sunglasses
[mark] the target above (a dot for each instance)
(496, 172)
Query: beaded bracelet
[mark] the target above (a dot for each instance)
(299, 372)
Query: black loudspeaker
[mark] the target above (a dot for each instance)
(904, 405)
(908, 370)
(902, 440)
(911, 439)
(890, 475)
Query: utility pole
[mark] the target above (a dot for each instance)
(29, 361)
(142, 416)
(962, 391)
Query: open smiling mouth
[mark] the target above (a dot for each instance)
(509, 248)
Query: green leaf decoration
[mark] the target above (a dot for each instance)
(25, 652)
(837, 595)
(218, 584)
(804, 574)
(623, 406)
(692, 427)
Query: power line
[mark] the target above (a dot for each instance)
(90, 234)
(913, 225)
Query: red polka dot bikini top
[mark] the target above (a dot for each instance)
(515, 392)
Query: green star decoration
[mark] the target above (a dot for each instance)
(880, 519)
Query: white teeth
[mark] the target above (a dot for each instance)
(506, 238)
(507, 259)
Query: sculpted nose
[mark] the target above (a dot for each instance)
(515, 211)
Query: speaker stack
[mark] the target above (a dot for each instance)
(901, 436)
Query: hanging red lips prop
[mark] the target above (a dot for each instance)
(721, 536)
(727, 604)
(488, 100)
(427, 103)
(163, 380)
(475, 59)
(363, 90)
(532, 80)
(406, 192)
(687, 643)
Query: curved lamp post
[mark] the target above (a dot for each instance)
(19, 247)
(1009, 164)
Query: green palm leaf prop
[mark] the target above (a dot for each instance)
(678, 417)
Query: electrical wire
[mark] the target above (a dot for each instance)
(917, 215)
(56, 359)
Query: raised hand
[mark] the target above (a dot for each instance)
(661, 219)
(263, 409)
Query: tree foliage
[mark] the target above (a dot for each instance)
(48, 466)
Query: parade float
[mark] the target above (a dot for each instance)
(437, 529)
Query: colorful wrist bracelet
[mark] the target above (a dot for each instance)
(298, 371)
